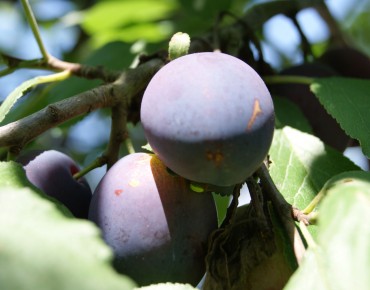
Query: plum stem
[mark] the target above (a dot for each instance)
(98, 162)
(306, 234)
(284, 210)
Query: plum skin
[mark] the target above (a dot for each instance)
(52, 172)
(157, 227)
(209, 117)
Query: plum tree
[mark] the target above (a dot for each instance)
(52, 172)
(323, 125)
(157, 227)
(347, 61)
(209, 117)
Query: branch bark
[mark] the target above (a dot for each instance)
(17, 134)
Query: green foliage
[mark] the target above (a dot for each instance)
(288, 114)
(340, 258)
(301, 164)
(167, 286)
(25, 87)
(128, 20)
(43, 248)
(347, 100)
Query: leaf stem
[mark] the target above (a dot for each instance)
(18, 92)
(279, 79)
(129, 145)
(306, 234)
(35, 29)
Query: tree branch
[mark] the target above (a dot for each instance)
(55, 64)
(17, 134)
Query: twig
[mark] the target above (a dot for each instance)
(35, 29)
(336, 34)
(55, 64)
(284, 209)
(118, 133)
(17, 134)
(98, 162)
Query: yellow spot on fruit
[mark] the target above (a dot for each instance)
(256, 112)
(134, 183)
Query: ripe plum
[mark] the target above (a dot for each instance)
(209, 117)
(52, 172)
(157, 227)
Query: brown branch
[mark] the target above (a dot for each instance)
(336, 35)
(17, 134)
(82, 70)
(55, 64)
(118, 133)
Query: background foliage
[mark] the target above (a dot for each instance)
(113, 34)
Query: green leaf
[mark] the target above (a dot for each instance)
(150, 32)
(41, 248)
(288, 114)
(110, 15)
(16, 94)
(129, 21)
(301, 164)
(167, 286)
(347, 100)
(340, 259)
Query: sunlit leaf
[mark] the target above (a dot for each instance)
(16, 94)
(167, 286)
(110, 15)
(42, 248)
(340, 258)
(348, 101)
(151, 32)
(301, 164)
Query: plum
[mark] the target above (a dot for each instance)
(209, 117)
(52, 172)
(347, 61)
(323, 125)
(157, 227)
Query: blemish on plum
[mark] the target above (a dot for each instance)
(256, 112)
(217, 157)
(118, 192)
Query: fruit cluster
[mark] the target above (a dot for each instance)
(209, 119)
